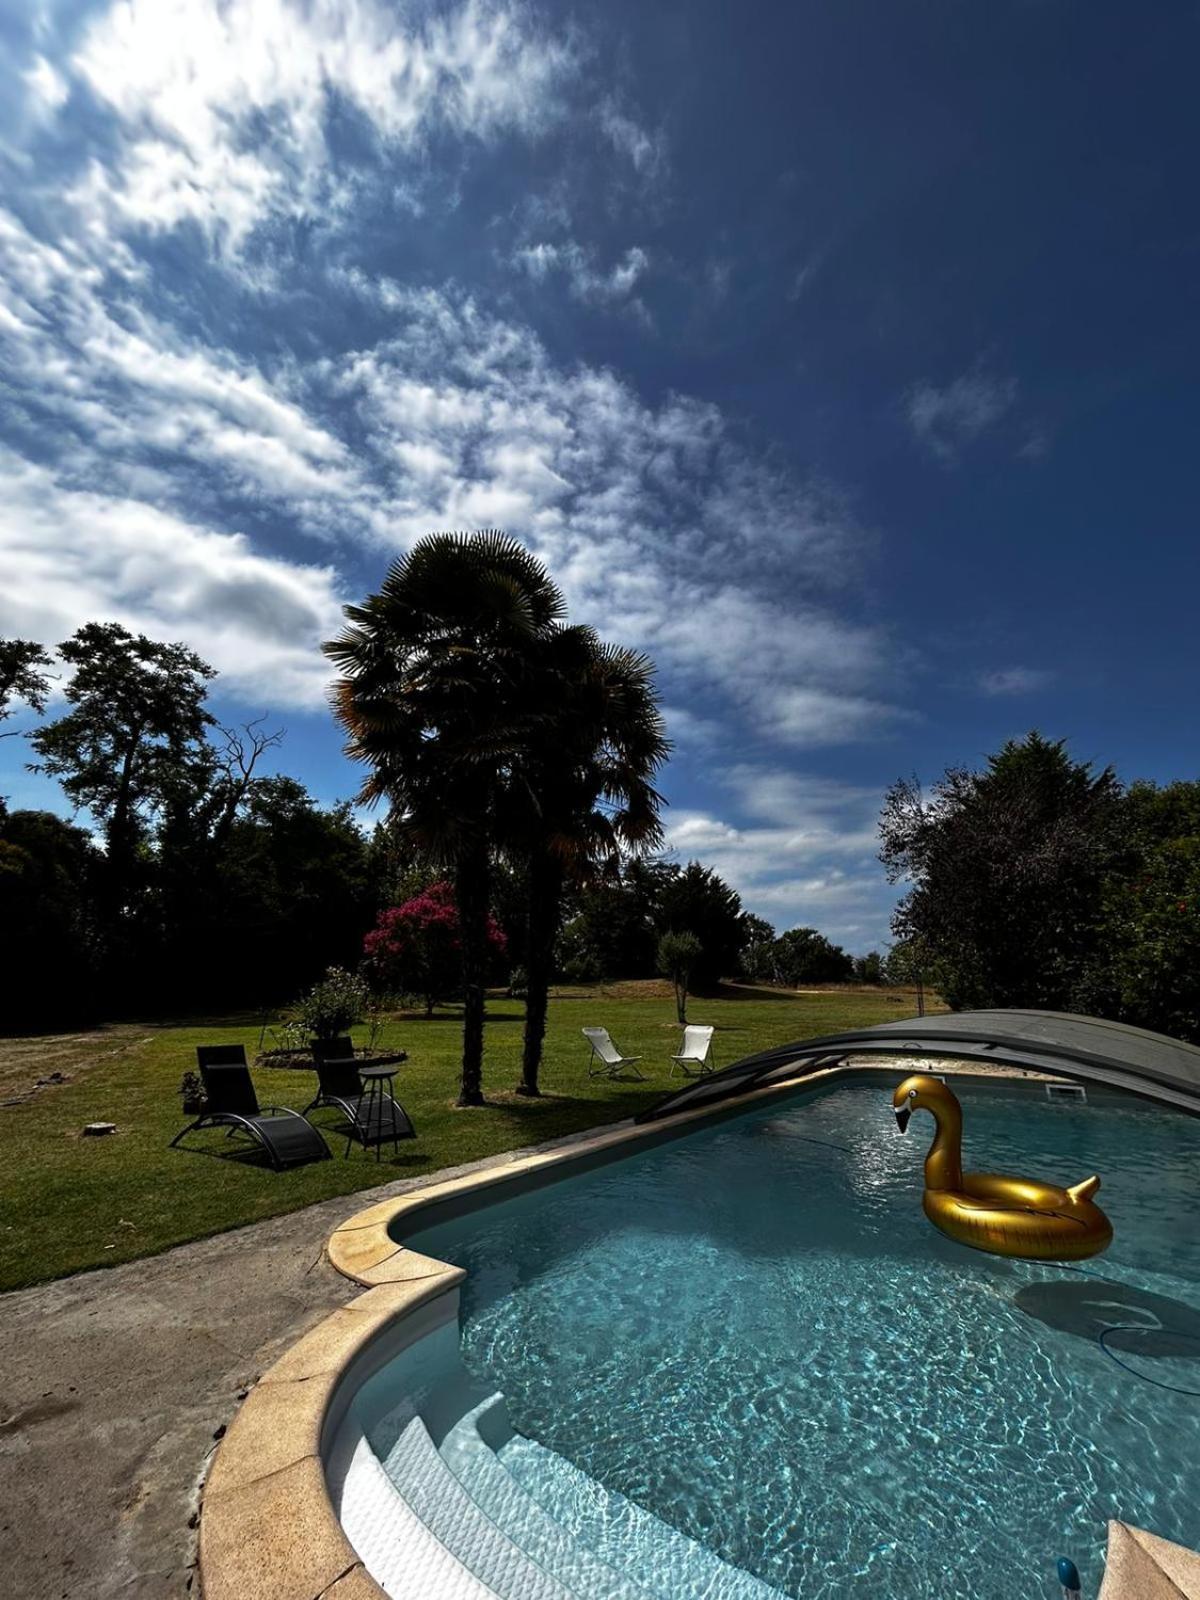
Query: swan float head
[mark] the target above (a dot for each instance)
(918, 1093)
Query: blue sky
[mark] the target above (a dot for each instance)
(841, 356)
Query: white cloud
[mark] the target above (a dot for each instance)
(802, 278)
(803, 715)
(807, 855)
(223, 103)
(1014, 680)
(133, 385)
(48, 89)
(948, 419)
(664, 530)
(830, 808)
(586, 281)
(646, 151)
(72, 555)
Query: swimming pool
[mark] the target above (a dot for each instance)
(752, 1333)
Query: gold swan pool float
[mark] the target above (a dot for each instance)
(1006, 1216)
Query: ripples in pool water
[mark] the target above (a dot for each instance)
(753, 1332)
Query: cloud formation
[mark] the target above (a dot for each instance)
(222, 105)
(295, 419)
(663, 527)
(805, 856)
(948, 419)
(587, 281)
(72, 555)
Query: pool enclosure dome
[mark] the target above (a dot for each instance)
(1059, 1042)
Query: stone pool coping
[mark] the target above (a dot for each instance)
(268, 1528)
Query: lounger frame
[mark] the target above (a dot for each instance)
(227, 1078)
(373, 1116)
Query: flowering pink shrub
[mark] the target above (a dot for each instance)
(415, 948)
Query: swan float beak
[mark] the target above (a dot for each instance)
(902, 1115)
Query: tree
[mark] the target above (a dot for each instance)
(609, 935)
(138, 725)
(754, 957)
(416, 947)
(583, 792)
(293, 896)
(868, 968)
(1007, 868)
(908, 962)
(678, 955)
(802, 955)
(22, 677)
(188, 871)
(434, 672)
(49, 870)
(1146, 969)
(696, 899)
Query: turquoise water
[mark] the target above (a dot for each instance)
(754, 1333)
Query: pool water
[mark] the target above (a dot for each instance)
(753, 1332)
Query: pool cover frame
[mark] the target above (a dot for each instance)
(1057, 1042)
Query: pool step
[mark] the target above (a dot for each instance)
(398, 1550)
(432, 1492)
(664, 1562)
(474, 1462)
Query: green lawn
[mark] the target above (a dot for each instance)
(68, 1202)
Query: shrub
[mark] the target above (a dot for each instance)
(415, 947)
(334, 1005)
(582, 968)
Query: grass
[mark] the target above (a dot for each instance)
(68, 1202)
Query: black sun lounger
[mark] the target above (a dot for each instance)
(284, 1135)
(372, 1114)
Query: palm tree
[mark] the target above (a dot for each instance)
(435, 695)
(584, 793)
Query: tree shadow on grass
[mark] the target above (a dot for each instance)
(548, 1110)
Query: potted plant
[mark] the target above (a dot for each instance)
(192, 1090)
(333, 1006)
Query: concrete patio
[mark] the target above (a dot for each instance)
(114, 1386)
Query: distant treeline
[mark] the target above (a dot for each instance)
(207, 883)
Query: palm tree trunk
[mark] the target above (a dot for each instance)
(545, 903)
(472, 881)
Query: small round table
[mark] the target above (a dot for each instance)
(375, 1097)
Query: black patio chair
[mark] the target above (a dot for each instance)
(231, 1102)
(372, 1115)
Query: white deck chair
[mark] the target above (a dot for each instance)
(606, 1060)
(695, 1053)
